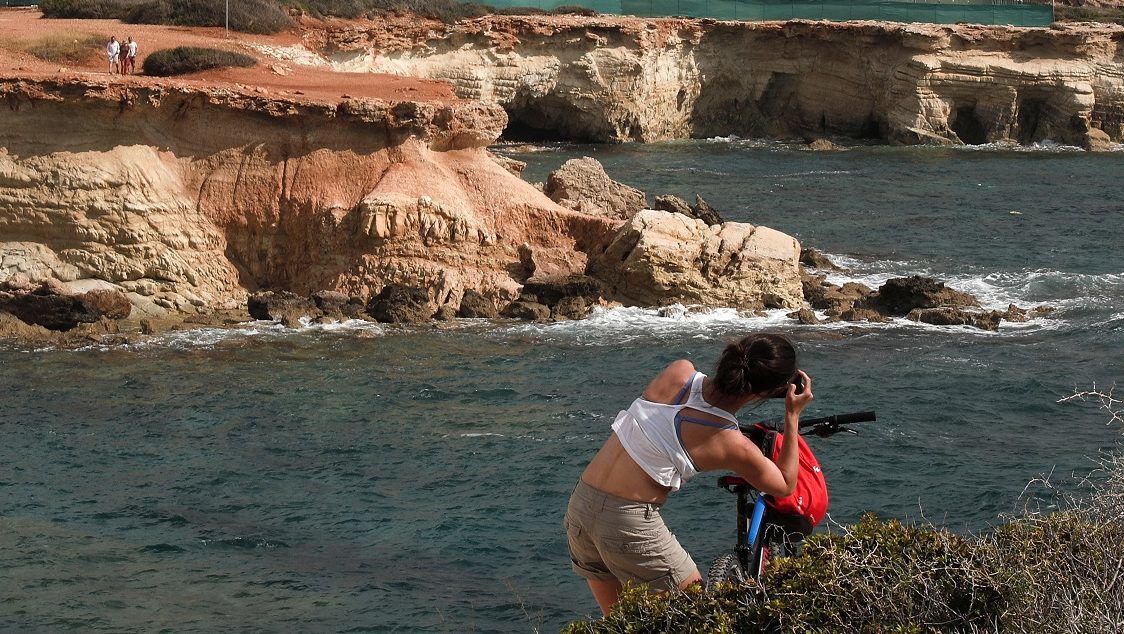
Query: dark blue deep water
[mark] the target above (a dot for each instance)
(366, 478)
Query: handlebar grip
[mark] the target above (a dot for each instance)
(838, 419)
(857, 417)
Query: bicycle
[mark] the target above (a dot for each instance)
(756, 530)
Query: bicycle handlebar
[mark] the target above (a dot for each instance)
(822, 426)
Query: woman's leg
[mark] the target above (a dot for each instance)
(607, 593)
(690, 581)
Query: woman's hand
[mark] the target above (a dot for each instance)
(795, 403)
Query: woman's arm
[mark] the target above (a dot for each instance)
(667, 384)
(778, 479)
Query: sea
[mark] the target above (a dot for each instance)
(359, 477)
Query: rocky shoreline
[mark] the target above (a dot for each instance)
(55, 313)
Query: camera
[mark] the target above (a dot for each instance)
(799, 383)
(797, 380)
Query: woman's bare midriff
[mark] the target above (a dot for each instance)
(613, 471)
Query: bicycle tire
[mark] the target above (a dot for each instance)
(725, 569)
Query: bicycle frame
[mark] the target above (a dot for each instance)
(750, 525)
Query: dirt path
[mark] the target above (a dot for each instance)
(272, 74)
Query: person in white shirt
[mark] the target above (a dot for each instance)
(130, 57)
(113, 50)
(683, 424)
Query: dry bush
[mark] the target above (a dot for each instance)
(63, 48)
(1063, 13)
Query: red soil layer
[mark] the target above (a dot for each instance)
(20, 25)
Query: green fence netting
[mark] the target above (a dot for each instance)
(1011, 12)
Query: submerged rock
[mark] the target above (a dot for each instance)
(50, 306)
(525, 309)
(900, 295)
(475, 306)
(947, 316)
(815, 259)
(281, 306)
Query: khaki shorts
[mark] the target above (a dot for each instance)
(611, 537)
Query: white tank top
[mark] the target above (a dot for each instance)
(651, 433)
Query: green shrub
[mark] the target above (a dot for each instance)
(519, 11)
(247, 16)
(65, 49)
(87, 9)
(190, 59)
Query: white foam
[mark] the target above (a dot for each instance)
(210, 337)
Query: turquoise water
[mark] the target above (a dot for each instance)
(372, 478)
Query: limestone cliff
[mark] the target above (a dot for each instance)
(654, 79)
(188, 196)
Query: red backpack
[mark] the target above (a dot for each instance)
(807, 506)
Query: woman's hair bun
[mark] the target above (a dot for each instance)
(756, 364)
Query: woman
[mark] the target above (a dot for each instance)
(683, 424)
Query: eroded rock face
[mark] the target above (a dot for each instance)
(618, 78)
(661, 258)
(183, 197)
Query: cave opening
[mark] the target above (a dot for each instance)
(520, 130)
(1029, 119)
(967, 126)
(551, 119)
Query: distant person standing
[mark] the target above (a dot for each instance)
(113, 50)
(130, 57)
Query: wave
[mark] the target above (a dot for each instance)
(1046, 146)
(628, 325)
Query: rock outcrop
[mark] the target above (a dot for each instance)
(916, 298)
(619, 78)
(582, 185)
(185, 199)
(660, 257)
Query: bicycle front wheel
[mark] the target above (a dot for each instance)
(725, 569)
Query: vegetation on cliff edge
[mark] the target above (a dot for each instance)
(1056, 572)
(272, 16)
(247, 16)
(61, 48)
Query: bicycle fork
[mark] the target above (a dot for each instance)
(749, 549)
